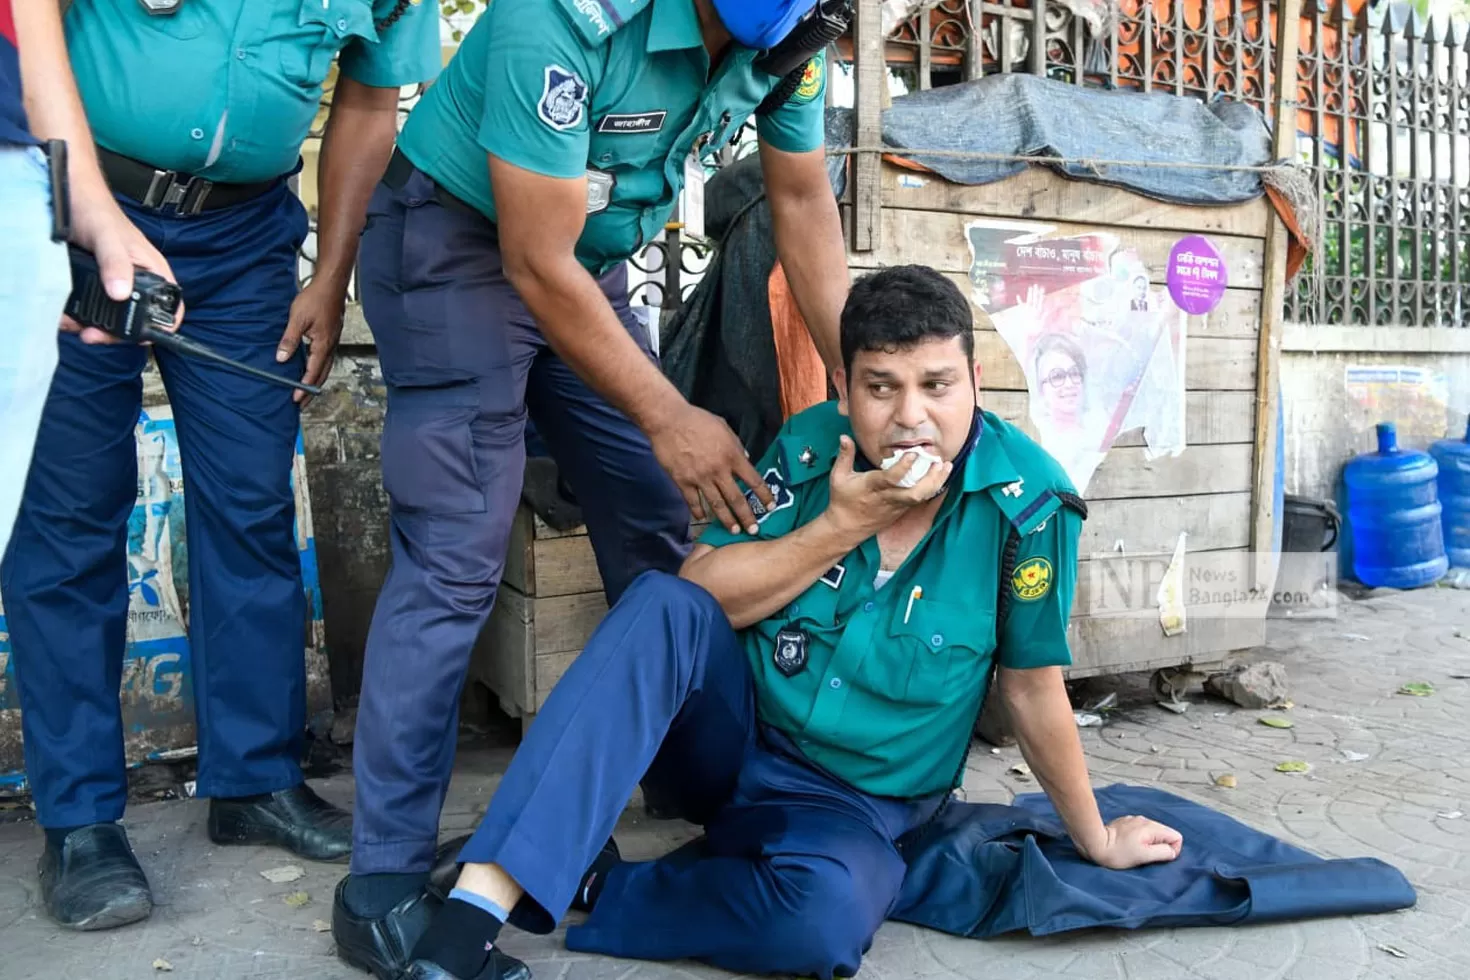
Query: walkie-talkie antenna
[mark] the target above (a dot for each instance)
(192, 348)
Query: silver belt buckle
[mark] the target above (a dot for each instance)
(185, 196)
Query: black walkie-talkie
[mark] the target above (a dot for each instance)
(146, 316)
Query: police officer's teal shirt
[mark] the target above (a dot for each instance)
(227, 89)
(893, 676)
(617, 89)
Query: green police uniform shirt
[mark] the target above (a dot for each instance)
(893, 676)
(227, 89)
(619, 90)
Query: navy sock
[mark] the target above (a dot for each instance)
(596, 878)
(462, 934)
(374, 896)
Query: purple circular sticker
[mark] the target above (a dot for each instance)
(1197, 276)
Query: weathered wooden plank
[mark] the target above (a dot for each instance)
(563, 623)
(937, 239)
(520, 553)
(870, 84)
(1273, 300)
(1210, 364)
(1210, 417)
(1038, 194)
(1113, 646)
(1215, 521)
(1128, 584)
(566, 566)
(1238, 315)
(502, 658)
(549, 668)
(1199, 469)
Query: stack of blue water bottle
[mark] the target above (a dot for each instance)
(1453, 457)
(1395, 514)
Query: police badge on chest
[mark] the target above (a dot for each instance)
(790, 653)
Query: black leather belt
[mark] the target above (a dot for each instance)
(400, 168)
(169, 190)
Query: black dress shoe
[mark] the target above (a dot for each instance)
(381, 946)
(445, 873)
(295, 819)
(93, 881)
(498, 967)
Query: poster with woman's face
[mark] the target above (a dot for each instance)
(1101, 347)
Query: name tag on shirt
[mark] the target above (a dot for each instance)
(633, 123)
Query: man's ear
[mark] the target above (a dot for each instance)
(978, 373)
(839, 381)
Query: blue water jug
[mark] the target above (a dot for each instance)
(1453, 457)
(1394, 511)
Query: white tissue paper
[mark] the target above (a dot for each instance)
(917, 471)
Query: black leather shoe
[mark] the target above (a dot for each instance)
(445, 872)
(381, 946)
(499, 967)
(94, 881)
(295, 819)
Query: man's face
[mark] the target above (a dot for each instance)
(921, 397)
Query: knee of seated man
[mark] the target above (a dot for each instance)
(667, 591)
(830, 921)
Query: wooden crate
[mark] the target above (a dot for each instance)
(549, 603)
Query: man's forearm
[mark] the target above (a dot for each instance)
(355, 149)
(581, 327)
(808, 233)
(53, 107)
(753, 579)
(1046, 730)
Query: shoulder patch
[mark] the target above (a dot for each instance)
(811, 80)
(563, 98)
(776, 483)
(1031, 579)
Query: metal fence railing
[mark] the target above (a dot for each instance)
(1384, 125)
(1383, 119)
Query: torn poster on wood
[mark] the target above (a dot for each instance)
(1100, 345)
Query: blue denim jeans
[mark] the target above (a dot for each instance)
(35, 278)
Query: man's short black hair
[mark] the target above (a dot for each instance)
(900, 307)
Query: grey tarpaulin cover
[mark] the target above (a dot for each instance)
(1026, 115)
(718, 349)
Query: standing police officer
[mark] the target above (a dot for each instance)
(494, 280)
(199, 109)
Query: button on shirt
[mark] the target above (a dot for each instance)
(620, 88)
(227, 89)
(888, 696)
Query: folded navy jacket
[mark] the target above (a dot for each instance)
(983, 870)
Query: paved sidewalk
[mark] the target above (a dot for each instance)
(1389, 775)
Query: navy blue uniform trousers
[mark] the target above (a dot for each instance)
(65, 574)
(464, 365)
(796, 870)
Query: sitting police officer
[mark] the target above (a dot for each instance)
(806, 696)
(494, 280)
(199, 109)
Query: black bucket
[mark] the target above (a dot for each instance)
(1309, 525)
(1309, 529)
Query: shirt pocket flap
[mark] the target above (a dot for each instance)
(343, 18)
(940, 626)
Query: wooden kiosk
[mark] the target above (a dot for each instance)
(1220, 490)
